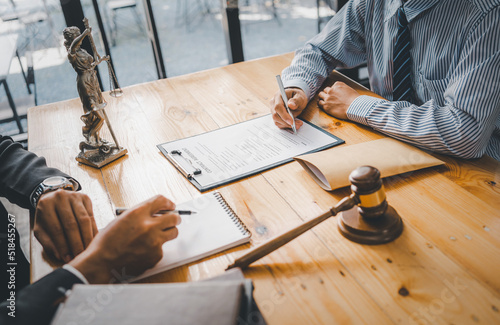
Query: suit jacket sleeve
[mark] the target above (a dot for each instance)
(21, 171)
(37, 303)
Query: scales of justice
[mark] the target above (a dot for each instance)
(94, 151)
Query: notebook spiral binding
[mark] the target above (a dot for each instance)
(237, 221)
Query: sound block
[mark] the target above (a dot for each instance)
(367, 231)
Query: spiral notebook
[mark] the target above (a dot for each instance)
(213, 229)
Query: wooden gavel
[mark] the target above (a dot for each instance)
(368, 220)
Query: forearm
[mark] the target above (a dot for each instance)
(446, 129)
(341, 44)
(21, 171)
(457, 113)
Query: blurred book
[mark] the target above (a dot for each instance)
(225, 300)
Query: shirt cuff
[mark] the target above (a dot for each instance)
(361, 107)
(297, 83)
(77, 273)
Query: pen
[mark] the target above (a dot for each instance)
(285, 100)
(119, 211)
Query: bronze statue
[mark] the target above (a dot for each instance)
(94, 151)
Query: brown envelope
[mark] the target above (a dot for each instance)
(331, 168)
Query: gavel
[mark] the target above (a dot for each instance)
(368, 218)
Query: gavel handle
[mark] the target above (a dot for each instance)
(275, 243)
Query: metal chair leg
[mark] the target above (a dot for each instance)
(13, 107)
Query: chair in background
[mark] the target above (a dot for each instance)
(112, 8)
(15, 110)
(32, 15)
(187, 11)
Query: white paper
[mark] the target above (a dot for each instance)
(212, 230)
(241, 149)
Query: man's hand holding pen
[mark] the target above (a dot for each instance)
(297, 102)
(130, 244)
(334, 100)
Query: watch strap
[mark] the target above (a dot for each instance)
(35, 196)
(42, 189)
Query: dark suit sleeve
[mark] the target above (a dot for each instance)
(21, 171)
(37, 303)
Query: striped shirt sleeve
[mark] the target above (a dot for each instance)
(334, 47)
(463, 126)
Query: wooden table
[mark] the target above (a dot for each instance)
(443, 269)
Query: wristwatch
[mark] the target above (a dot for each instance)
(52, 184)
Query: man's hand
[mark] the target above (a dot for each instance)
(64, 223)
(297, 101)
(335, 100)
(130, 244)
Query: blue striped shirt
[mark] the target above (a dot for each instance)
(455, 70)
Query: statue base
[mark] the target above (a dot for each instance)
(98, 159)
(367, 231)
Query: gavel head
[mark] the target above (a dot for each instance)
(368, 187)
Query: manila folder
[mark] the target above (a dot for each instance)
(331, 168)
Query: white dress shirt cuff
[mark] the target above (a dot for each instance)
(361, 107)
(77, 273)
(297, 83)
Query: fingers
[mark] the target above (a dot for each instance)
(323, 95)
(67, 219)
(280, 115)
(47, 220)
(167, 220)
(165, 223)
(70, 227)
(82, 209)
(335, 100)
(158, 203)
(88, 205)
(169, 234)
(297, 101)
(47, 244)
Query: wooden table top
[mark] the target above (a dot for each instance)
(443, 268)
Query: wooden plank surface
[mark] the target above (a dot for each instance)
(443, 269)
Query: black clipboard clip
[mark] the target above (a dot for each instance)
(178, 153)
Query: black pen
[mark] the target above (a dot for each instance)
(119, 211)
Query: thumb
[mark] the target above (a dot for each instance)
(297, 101)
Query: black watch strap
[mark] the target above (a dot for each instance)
(35, 196)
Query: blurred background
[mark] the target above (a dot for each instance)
(191, 35)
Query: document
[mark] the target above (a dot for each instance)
(221, 156)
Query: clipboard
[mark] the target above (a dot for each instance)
(228, 154)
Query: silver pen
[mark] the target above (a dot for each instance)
(285, 100)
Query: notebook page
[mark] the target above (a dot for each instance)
(210, 231)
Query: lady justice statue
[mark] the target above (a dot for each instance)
(94, 151)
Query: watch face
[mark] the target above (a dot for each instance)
(54, 181)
